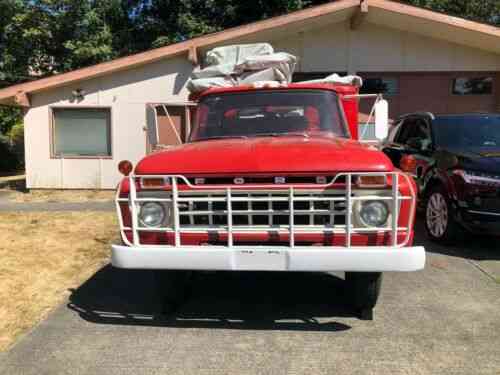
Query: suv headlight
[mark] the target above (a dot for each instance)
(152, 214)
(373, 213)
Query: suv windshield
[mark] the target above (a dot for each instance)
(270, 112)
(469, 132)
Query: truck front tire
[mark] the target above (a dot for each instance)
(363, 289)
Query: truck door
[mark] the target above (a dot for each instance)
(168, 124)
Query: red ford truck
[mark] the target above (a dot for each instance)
(271, 179)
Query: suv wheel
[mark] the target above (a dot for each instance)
(364, 289)
(439, 222)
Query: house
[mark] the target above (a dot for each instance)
(80, 124)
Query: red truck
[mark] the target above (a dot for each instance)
(271, 179)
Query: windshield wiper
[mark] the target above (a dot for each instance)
(220, 137)
(300, 134)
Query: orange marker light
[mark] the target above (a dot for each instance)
(371, 181)
(408, 163)
(125, 167)
(151, 182)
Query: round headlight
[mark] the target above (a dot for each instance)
(152, 214)
(373, 213)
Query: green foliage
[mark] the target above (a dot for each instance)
(9, 117)
(487, 11)
(11, 139)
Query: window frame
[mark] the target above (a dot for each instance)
(53, 110)
(411, 121)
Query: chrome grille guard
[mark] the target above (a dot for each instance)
(290, 195)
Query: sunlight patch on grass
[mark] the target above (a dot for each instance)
(42, 255)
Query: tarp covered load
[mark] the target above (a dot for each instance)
(251, 63)
(243, 64)
(335, 78)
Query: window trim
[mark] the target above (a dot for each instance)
(54, 108)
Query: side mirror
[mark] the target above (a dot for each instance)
(381, 119)
(152, 126)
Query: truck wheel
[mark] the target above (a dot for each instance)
(171, 287)
(364, 289)
(439, 221)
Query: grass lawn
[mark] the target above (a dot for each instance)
(43, 254)
(63, 196)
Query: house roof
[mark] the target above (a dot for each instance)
(395, 14)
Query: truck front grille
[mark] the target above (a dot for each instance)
(292, 210)
(262, 209)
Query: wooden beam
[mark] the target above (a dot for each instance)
(359, 15)
(22, 99)
(193, 55)
(496, 88)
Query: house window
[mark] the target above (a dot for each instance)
(380, 85)
(81, 132)
(473, 86)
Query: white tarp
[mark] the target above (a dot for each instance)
(243, 64)
(250, 63)
(335, 78)
(237, 53)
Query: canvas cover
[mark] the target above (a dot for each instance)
(242, 64)
(237, 53)
(335, 78)
(251, 63)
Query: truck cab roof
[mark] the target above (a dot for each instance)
(338, 88)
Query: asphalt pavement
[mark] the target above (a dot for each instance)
(443, 320)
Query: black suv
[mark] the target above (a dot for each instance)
(455, 160)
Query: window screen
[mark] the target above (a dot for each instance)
(82, 132)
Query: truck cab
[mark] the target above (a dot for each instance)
(272, 178)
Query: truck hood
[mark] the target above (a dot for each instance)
(284, 154)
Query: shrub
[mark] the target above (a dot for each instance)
(12, 149)
(16, 140)
(8, 160)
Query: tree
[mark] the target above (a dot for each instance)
(487, 11)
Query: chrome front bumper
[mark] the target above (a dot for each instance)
(273, 258)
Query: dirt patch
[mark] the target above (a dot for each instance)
(43, 255)
(63, 196)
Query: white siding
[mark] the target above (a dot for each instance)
(126, 93)
(381, 49)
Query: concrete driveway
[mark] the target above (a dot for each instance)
(444, 320)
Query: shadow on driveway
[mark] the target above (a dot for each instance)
(224, 300)
(467, 245)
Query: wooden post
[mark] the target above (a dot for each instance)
(359, 15)
(22, 99)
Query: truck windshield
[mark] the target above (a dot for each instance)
(270, 112)
(468, 132)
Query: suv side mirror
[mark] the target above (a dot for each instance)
(381, 119)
